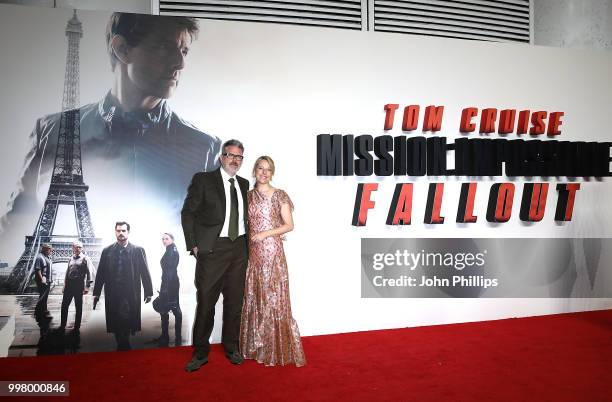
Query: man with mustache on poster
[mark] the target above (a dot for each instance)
(133, 146)
(123, 266)
(214, 218)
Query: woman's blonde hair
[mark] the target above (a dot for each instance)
(264, 158)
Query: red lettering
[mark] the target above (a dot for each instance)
(554, 122)
(506, 121)
(503, 204)
(537, 121)
(390, 109)
(434, 204)
(433, 118)
(468, 198)
(487, 120)
(523, 122)
(538, 202)
(411, 118)
(466, 125)
(401, 205)
(565, 202)
(363, 203)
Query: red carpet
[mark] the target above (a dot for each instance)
(566, 357)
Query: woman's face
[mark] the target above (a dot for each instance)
(167, 240)
(263, 172)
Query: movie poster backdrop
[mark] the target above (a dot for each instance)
(434, 180)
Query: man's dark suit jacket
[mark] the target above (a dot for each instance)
(203, 212)
(139, 272)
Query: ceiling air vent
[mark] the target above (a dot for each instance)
(335, 14)
(500, 21)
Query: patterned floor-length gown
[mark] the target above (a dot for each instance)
(268, 332)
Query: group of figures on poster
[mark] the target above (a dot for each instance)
(130, 160)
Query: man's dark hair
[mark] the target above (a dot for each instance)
(233, 143)
(135, 27)
(121, 223)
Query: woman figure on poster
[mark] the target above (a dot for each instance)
(268, 332)
(169, 293)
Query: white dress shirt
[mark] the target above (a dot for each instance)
(228, 201)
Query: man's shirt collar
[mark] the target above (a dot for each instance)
(113, 115)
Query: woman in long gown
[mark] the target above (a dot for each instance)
(268, 332)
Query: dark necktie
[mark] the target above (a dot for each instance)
(233, 218)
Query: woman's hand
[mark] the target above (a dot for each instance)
(259, 236)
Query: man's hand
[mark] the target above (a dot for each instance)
(85, 291)
(194, 251)
(44, 280)
(147, 299)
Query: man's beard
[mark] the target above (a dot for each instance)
(233, 169)
(230, 171)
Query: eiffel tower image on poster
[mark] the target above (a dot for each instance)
(67, 186)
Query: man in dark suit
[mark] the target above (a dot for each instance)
(214, 219)
(42, 275)
(122, 268)
(76, 284)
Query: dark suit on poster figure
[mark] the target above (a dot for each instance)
(76, 284)
(169, 299)
(214, 218)
(43, 270)
(122, 269)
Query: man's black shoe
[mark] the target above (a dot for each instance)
(195, 363)
(163, 342)
(234, 357)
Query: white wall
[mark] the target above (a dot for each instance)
(573, 23)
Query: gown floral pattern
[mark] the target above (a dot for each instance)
(268, 332)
